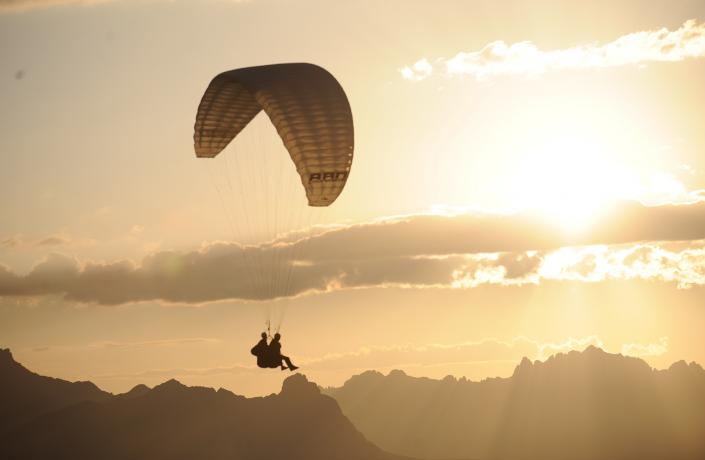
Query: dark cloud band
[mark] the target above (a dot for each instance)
(418, 251)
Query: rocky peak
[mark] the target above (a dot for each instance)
(524, 366)
(298, 385)
(6, 357)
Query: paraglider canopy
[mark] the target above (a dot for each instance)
(308, 108)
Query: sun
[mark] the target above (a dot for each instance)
(570, 181)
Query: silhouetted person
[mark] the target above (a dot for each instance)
(276, 355)
(261, 350)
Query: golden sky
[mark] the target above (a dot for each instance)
(528, 178)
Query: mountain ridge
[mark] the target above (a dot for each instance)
(592, 404)
(172, 421)
(580, 405)
(34, 394)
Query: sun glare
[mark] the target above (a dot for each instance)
(569, 181)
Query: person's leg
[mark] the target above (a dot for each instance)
(289, 364)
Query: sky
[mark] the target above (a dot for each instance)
(528, 179)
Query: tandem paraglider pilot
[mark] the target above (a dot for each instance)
(269, 355)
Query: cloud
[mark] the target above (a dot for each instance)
(420, 70)
(9, 281)
(525, 58)
(111, 344)
(649, 349)
(180, 373)
(399, 357)
(472, 359)
(153, 343)
(685, 267)
(451, 251)
(545, 350)
(11, 242)
(481, 351)
(21, 242)
(54, 240)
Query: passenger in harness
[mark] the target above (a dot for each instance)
(276, 356)
(261, 351)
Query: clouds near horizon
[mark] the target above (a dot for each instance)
(485, 350)
(436, 358)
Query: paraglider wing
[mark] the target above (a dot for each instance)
(225, 109)
(307, 106)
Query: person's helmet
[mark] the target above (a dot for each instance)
(264, 335)
(277, 336)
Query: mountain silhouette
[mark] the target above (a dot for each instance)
(46, 418)
(589, 405)
(25, 395)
